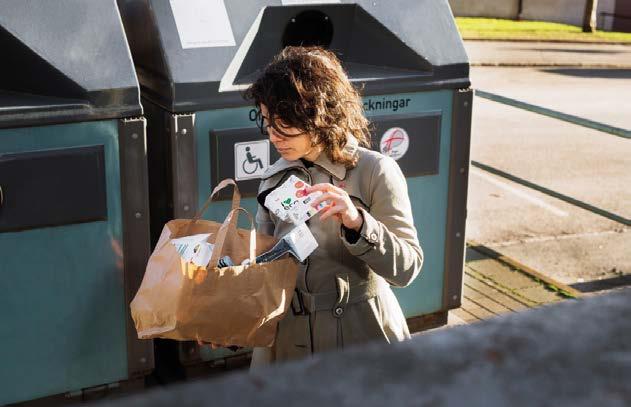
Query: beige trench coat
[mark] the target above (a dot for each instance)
(343, 294)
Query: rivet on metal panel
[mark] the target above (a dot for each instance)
(134, 136)
(186, 207)
(138, 215)
(458, 234)
(462, 170)
(293, 20)
(466, 103)
(143, 360)
(184, 131)
(455, 297)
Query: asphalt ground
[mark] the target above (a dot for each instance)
(574, 245)
(597, 94)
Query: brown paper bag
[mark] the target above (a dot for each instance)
(239, 305)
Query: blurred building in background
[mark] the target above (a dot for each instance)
(612, 15)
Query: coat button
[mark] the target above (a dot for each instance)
(373, 237)
(338, 311)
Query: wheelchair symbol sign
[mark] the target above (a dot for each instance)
(251, 159)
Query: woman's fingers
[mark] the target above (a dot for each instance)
(327, 196)
(324, 187)
(331, 211)
(338, 199)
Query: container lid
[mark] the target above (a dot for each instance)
(197, 54)
(64, 61)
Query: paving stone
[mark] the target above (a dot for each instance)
(509, 300)
(493, 305)
(474, 306)
(453, 319)
(491, 287)
(470, 292)
(468, 304)
(464, 315)
(511, 303)
(495, 270)
(486, 287)
(481, 313)
(540, 295)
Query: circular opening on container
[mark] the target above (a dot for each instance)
(309, 28)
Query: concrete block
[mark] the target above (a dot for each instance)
(575, 353)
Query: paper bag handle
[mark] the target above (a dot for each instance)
(221, 238)
(236, 201)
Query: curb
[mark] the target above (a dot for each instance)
(628, 43)
(548, 65)
(530, 272)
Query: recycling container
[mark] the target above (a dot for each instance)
(74, 219)
(194, 58)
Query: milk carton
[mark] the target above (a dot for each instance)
(290, 202)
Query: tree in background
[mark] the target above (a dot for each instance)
(589, 18)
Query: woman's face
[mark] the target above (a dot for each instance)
(296, 145)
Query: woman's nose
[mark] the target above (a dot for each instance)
(273, 137)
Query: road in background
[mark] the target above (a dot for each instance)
(573, 245)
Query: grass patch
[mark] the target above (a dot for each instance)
(499, 29)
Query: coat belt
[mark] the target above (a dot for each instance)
(334, 301)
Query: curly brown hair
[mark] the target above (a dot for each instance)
(307, 88)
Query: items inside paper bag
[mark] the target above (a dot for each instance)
(300, 243)
(194, 249)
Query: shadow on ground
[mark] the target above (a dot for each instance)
(601, 285)
(575, 50)
(591, 73)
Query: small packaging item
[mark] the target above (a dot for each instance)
(290, 202)
(194, 249)
(300, 243)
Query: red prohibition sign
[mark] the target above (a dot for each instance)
(397, 135)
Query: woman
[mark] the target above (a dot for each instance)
(366, 235)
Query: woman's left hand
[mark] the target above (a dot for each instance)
(339, 206)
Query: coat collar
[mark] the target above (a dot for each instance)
(323, 161)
